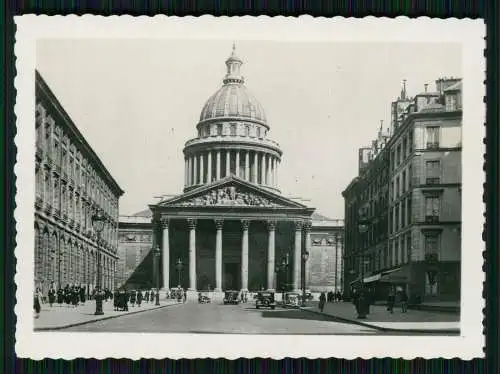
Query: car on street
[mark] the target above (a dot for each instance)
(265, 299)
(292, 299)
(203, 298)
(231, 297)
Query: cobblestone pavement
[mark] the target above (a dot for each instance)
(216, 318)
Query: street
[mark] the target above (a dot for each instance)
(217, 318)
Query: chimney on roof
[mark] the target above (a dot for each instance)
(425, 87)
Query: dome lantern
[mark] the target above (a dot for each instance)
(233, 64)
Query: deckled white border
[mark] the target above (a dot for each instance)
(469, 33)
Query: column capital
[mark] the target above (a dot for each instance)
(192, 223)
(219, 223)
(245, 223)
(271, 224)
(298, 224)
(164, 222)
(307, 225)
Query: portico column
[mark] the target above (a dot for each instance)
(297, 255)
(276, 172)
(190, 171)
(247, 166)
(192, 254)
(202, 169)
(219, 223)
(195, 169)
(272, 170)
(271, 227)
(268, 170)
(217, 166)
(228, 162)
(237, 166)
(244, 254)
(263, 168)
(165, 254)
(209, 167)
(186, 171)
(307, 232)
(254, 169)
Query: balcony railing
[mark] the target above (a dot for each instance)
(432, 145)
(432, 180)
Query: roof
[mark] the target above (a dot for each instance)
(143, 213)
(455, 87)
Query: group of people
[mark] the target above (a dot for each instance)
(69, 296)
(122, 298)
(395, 296)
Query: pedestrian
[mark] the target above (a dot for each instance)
(185, 296)
(139, 297)
(81, 291)
(152, 296)
(146, 297)
(125, 300)
(404, 301)
(132, 298)
(391, 299)
(36, 303)
(75, 296)
(60, 296)
(52, 296)
(322, 300)
(116, 300)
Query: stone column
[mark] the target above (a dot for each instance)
(271, 227)
(276, 167)
(263, 168)
(307, 233)
(217, 166)
(186, 171)
(192, 254)
(297, 254)
(228, 162)
(244, 255)
(209, 167)
(219, 223)
(255, 168)
(195, 169)
(202, 169)
(237, 166)
(247, 166)
(165, 254)
(272, 170)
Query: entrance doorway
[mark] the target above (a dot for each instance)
(232, 276)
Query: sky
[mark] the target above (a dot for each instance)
(137, 101)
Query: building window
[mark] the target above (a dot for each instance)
(397, 217)
(410, 141)
(405, 145)
(403, 182)
(432, 137)
(396, 251)
(410, 176)
(403, 213)
(408, 247)
(247, 130)
(409, 210)
(219, 129)
(396, 193)
(402, 249)
(433, 171)
(233, 129)
(432, 209)
(258, 132)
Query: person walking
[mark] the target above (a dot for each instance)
(322, 300)
(146, 296)
(185, 296)
(404, 301)
(152, 296)
(36, 303)
(139, 298)
(132, 298)
(391, 300)
(60, 296)
(82, 294)
(52, 296)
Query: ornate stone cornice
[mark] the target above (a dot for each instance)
(192, 223)
(219, 223)
(245, 224)
(307, 225)
(164, 222)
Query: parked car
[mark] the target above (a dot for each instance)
(292, 299)
(203, 298)
(231, 297)
(265, 299)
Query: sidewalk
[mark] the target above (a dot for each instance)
(61, 317)
(379, 318)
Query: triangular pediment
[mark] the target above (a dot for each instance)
(232, 192)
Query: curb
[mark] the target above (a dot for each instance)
(386, 329)
(56, 328)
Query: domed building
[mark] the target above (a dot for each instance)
(231, 229)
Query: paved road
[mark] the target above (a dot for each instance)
(216, 318)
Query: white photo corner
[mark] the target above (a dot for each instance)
(213, 187)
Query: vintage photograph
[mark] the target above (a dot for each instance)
(243, 186)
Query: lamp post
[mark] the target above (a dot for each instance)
(305, 257)
(179, 270)
(284, 269)
(98, 220)
(156, 262)
(362, 306)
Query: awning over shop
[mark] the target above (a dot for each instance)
(399, 275)
(372, 278)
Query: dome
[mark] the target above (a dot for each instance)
(233, 100)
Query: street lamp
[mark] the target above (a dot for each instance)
(98, 220)
(362, 306)
(305, 257)
(156, 262)
(179, 269)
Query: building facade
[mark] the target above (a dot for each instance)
(420, 166)
(71, 185)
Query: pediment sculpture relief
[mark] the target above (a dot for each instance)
(229, 196)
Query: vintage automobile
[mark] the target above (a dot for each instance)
(203, 298)
(265, 299)
(292, 298)
(231, 297)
